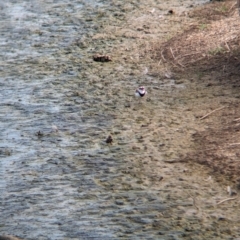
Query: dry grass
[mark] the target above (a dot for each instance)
(211, 47)
(203, 40)
(218, 147)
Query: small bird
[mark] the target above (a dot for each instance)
(140, 92)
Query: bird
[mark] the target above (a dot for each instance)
(140, 92)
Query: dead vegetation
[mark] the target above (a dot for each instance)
(212, 47)
(204, 40)
(218, 147)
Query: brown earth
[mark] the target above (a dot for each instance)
(210, 50)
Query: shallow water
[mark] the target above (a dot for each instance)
(59, 179)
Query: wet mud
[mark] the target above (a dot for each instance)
(60, 177)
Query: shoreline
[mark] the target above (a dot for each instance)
(61, 179)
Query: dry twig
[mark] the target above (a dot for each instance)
(229, 50)
(175, 58)
(232, 144)
(211, 112)
(185, 55)
(172, 53)
(233, 5)
(180, 64)
(163, 56)
(237, 119)
(224, 200)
